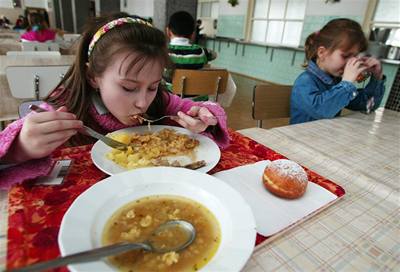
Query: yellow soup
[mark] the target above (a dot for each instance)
(135, 222)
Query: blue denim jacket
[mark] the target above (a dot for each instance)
(317, 95)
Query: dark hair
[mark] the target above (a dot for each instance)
(74, 90)
(38, 20)
(338, 33)
(181, 23)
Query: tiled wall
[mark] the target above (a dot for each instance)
(231, 26)
(278, 65)
(261, 62)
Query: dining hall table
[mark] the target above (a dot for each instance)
(359, 232)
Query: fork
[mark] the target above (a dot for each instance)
(90, 132)
(146, 118)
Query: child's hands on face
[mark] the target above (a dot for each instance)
(353, 68)
(43, 132)
(374, 66)
(204, 118)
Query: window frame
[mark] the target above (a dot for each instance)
(199, 3)
(375, 23)
(251, 19)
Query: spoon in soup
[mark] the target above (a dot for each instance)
(159, 241)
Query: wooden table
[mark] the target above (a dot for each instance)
(358, 233)
(8, 104)
(362, 231)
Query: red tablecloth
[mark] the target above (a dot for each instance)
(35, 211)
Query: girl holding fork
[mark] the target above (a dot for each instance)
(115, 77)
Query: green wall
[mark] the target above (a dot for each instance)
(231, 26)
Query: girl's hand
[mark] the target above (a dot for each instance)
(353, 68)
(43, 132)
(204, 118)
(374, 66)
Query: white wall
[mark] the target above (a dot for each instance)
(342, 8)
(143, 8)
(226, 9)
(6, 4)
(97, 7)
(11, 13)
(36, 4)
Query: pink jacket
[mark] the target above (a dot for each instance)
(39, 36)
(41, 167)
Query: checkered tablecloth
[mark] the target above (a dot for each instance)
(361, 232)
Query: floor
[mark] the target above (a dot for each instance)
(239, 112)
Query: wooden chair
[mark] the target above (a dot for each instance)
(37, 81)
(199, 82)
(271, 102)
(71, 37)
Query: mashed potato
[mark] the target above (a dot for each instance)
(150, 149)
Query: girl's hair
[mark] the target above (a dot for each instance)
(74, 90)
(338, 33)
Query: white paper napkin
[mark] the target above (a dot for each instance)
(273, 213)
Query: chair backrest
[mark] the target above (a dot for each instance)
(38, 46)
(71, 37)
(34, 53)
(271, 102)
(37, 81)
(199, 82)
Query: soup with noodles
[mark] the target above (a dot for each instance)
(135, 222)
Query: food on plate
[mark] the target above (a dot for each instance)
(150, 149)
(137, 117)
(135, 221)
(285, 178)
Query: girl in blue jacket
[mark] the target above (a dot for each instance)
(333, 67)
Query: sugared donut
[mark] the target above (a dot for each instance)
(285, 178)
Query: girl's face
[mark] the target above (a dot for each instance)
(126, 92)
(334, 62)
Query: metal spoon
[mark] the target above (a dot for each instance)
(151, 244)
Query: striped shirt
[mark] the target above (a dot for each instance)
(185, 55)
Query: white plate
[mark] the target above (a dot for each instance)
(83, 223)
(208, 150)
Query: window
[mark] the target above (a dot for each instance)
(278, 21)
(387, 13)
(386, 23)
(207, 12)
(207, 9)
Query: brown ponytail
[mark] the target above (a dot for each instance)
(340, 33)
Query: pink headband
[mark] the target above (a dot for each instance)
(111, 25)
